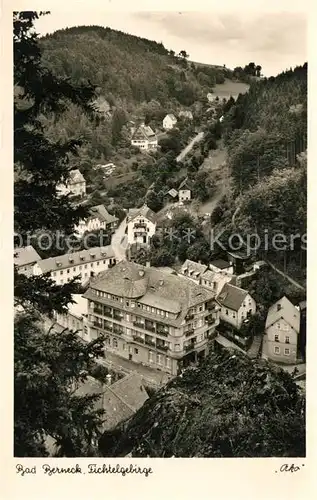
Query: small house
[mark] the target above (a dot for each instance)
(169, 121)
(144, 138)
(236, 304)
(282, 329)
(185, 190)
(25, 258)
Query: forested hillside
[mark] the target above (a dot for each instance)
(265, 132)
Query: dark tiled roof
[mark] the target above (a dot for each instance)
(221, 264)
(190, 265)
(143, 132)
(232, 297)
(119, 400)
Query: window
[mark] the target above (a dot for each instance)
(177, 347)
(200, 308)
(68, 279)
(136, 351)
(233, 315)
(80, 268)
(85, 266)
(98, 263)
(74, 269)
(159, 359)
(286, 340)
(278, 325)
(61, 272)
(151, 357)
(54, 274)
(168, 362)
(115, 343)
(286, 351)
(276, 350)
(92, 264)
(68, 271)
(104, 261)
(227, 312)
(276, 338)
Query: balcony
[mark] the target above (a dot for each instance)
(118, 331)
(118, 317)
(149, 327)
(149, 343)
(189, 332)
(189, 347)
(210, 320)
(138, 324)
(98, 324)
(189, 317)
(211, 305)
(98, 310)
(140, 225)
(108, 313)
(138, 339)
(162, 347)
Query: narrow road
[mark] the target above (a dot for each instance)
(119, 242)
(189, 146)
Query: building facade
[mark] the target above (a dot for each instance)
(25, 258)
(144, 138)
(99, 218)
(236, 304)
(282, 327)
(141, 225)
(86, 264)
(75, 185)
(169, 121)
(151, 317)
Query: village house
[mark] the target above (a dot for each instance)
(184, 191)
(282, 328)
(141, 225)
(151, 317)
(144, 138)
(120, 400)
(193, 270)
(85, 264)
(169, 121)
(75, 319)
(24, 259)
(75, 185)
(236, 304)
(215, 280)
(221, 265)
(186, 114)
(99, 218)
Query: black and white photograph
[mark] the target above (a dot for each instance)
(160, 213)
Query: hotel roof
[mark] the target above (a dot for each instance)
(25, 255)
(76, 258)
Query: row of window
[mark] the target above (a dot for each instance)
(277, 350)
(277, 338)
(159, 358)
(79, 268)
(133, 303)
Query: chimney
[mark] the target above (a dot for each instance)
(108, 377)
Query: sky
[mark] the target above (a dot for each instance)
(276, 40)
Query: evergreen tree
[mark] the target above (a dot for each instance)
(48, 366)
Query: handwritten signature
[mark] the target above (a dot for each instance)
(290, 468)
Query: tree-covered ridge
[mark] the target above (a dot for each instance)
(127, 67)
(228, 407)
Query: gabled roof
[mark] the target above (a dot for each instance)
(75, 177)
(172, 192)
(144, 211)
(119, 400)
(171, 117)
(196, 268)
(186, 113)
(25, 255)
(100, 212)
(232, 297)
(76, 258)
(143, 132)
(283, 309)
